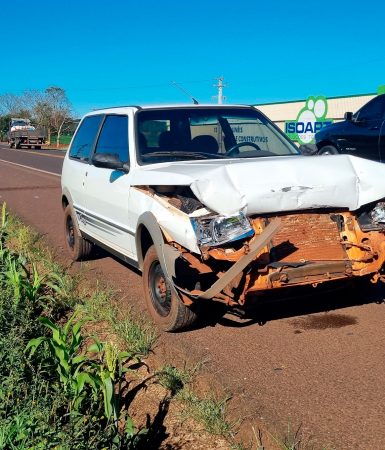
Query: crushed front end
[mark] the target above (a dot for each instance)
(302, 248)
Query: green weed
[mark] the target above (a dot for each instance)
(138, 335)
(210, 411)
(292, 440)
(175, 379)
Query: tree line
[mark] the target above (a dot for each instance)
(50, 110)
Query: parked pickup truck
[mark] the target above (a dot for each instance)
(22, 133)
(360, 134)
(214, 203)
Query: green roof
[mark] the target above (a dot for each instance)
(304, 99)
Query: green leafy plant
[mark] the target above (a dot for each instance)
(99, 372)
(109, 366)
(4, 220)
(64, 347)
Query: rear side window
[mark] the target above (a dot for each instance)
(85, 138)
(114, 137)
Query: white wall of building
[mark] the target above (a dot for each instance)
(337, 106)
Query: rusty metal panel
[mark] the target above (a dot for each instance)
(307, 237)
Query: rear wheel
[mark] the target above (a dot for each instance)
(165, 307)
(328, 150)
(38, 147)
(78, 247)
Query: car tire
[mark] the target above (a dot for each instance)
(37, 147)
(163, 304)
(78, 247)
(328, 150)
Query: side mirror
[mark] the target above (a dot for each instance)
(109, 161)
(348, 116)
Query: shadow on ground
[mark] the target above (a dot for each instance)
(301, 302)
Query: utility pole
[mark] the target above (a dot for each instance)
(220, 87)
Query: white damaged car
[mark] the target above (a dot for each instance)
(215, 203)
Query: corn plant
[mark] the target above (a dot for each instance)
(33, 286)
(102, 367)
(4, 220)
(23, 285)
(14, 277)
(3, 234)
(64, 347)
(110, 365)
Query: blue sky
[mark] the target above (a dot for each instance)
(128, 52)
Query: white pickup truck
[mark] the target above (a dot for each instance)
(214, 203)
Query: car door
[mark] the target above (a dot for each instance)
(363, 131)
(76, 162)
(108, 190)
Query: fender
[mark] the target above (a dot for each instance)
(166, 253)
(66, 193)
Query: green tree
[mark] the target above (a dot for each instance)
(4, 124)
(53, 111)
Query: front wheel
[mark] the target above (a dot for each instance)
(165, 307)
(328, 150)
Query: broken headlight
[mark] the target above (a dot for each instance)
(217, 230)
(373, 219)
(377, 214)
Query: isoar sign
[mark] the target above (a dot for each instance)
(311, 118)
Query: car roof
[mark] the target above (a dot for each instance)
(126, 109)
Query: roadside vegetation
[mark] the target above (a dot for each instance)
(61, 386)
(72, 365)
(58, 389)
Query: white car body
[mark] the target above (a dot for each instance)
(109, 204)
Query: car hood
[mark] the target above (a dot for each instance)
(330, 129)
(273, 184)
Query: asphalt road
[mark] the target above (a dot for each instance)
(318, 361)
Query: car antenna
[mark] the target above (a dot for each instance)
(195, 101)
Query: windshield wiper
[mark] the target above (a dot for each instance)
(192, 155)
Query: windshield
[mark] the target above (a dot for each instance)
(208, 133)
(20, 123)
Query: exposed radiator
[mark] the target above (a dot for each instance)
(306, 237)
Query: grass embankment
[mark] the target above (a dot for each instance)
(59, 387)
(64, 387)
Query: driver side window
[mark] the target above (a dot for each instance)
(113, 137)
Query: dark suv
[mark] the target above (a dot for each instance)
(360, 134)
